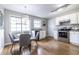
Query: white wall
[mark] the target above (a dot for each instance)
(7, 23)
(6, 28)
(51, 27)
(1, 31)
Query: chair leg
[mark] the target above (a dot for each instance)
(11, 49)
(29, 48)
(20, 49)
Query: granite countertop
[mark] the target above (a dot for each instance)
(75, 30)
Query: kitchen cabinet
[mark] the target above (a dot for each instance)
(42, 34)
(74, 18)
(66, 17)
(62, 19)
(74, 37)
(58, 20)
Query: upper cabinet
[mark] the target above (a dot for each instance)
(62, 19)
(66, 17)
(74, 18)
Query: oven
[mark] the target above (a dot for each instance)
(63, 35)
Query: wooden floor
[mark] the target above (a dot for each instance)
(49, 46)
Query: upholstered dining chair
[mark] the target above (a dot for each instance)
(25, 42)
(13, 41)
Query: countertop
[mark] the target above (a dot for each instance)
(75, 30)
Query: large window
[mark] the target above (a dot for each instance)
(37, 24)
(19, 24)
(25, 24)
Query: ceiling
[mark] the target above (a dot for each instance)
(40, 10)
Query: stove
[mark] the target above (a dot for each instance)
(63, 34)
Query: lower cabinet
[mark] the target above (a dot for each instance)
(74, 37)
(42, 34)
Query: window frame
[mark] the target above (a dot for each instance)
(20, 24)
(40, 26)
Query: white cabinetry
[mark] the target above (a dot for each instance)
(62, 19)
(74, 37)
(42, 34)
(74, 18)
(66, 17)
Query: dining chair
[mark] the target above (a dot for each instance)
(13, 41)
(25, 42)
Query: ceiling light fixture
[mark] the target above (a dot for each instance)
(25, 7)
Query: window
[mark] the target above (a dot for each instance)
(37, 24)
(25, 24)
(19, 24)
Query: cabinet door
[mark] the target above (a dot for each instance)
(42, 34)
(73, 18)
(74, 37)
(66, 18)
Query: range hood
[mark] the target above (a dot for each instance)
(67, 22)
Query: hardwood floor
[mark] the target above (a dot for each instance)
(48, 46)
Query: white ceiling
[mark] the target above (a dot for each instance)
(40, 10)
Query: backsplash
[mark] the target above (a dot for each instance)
(76, 26)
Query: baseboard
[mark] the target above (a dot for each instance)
(74, 43)
(7, 44)
(49, 37)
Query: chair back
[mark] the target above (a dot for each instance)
(11, 37)
(25, 40)
(37, 36)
